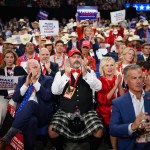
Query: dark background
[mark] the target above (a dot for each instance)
(7, 12)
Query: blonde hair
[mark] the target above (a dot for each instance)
(85, 28)
(105, 61)
(124, 52)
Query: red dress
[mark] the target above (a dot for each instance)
(104, 104)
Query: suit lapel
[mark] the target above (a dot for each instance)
(147, 102)
(129, 107)
(41, 78)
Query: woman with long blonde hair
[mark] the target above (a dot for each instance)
(111, 89)
(128, 56)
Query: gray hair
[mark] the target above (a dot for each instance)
(130, 67)
(32, 61)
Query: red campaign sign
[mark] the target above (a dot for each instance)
(11, 110)
(17, 142)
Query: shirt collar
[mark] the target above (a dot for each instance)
(133, 96)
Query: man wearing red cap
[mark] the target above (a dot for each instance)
(85, 48)
(76, 119)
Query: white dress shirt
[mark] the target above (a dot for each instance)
(59, 61)
(33, 97)
(138, 106)
(145, 57)
(60, 82)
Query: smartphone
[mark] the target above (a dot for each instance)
(30, 75)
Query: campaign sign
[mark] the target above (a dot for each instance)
(49, 27)
(42, 14)
(17, 142)
(117, 16)
(87, 12)
(8, 83)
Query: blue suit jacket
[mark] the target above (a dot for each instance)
(140, 57)
(122, 115)
(140, 32)
(44, 95)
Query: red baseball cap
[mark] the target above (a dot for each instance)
(86, 44)
(73, 51)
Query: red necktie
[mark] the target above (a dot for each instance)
(44, 70)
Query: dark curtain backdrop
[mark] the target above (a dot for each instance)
(62, 12)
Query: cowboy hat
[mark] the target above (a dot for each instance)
(21, 20)
(73, 34)
(25, 38)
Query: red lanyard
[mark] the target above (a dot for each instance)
(63, 59)
(71, 72)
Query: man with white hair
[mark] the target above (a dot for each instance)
(33, 94)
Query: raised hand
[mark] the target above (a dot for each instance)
(84, 66)
(67, 67)
(28, 79)
(142, 116)
(118, 81)
(47, 65)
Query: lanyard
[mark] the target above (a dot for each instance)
(71, 72)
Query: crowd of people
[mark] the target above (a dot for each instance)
(90, 83)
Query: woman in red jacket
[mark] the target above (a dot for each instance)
(111, 88)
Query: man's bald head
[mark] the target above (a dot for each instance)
(44, 55)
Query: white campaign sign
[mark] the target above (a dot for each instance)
(8, 83)
(49, 27)
(117, 16)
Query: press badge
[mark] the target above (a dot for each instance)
(69, 92)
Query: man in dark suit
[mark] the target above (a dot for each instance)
(131, 113)
(145, 52)
(144, 32)
(73, 42)
(33, 93)
(47, 67)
